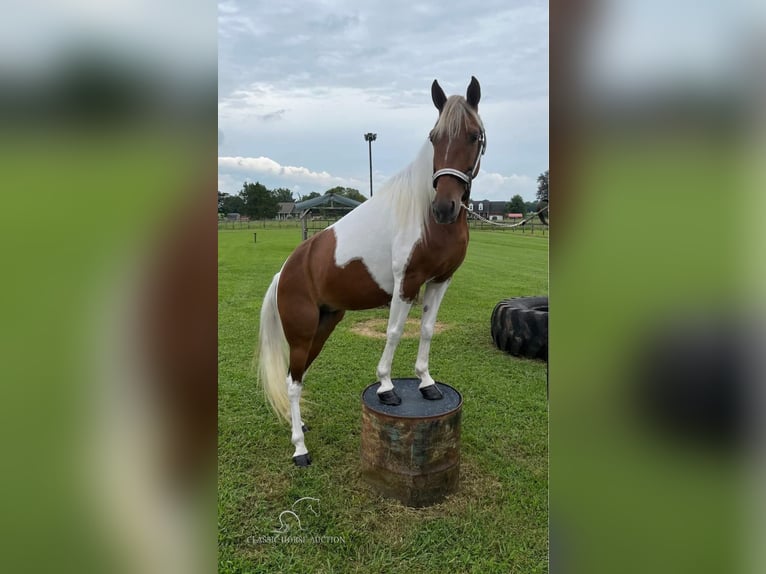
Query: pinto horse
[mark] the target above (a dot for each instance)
(414, 232)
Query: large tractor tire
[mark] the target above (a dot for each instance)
(520, 327)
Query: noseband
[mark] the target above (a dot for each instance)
(465, 176)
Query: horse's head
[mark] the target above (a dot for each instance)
(459, 142)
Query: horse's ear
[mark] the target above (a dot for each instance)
(437, 95)
(473, 93)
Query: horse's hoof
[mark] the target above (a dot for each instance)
(431, 392)
(305, 428)
(302, 460)
(389, 398)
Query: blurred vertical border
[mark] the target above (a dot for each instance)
(107, 230)
(656, 287)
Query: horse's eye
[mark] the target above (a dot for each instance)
(474, 137)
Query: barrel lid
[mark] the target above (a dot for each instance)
(413, 404)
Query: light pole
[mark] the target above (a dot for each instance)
(370, 137)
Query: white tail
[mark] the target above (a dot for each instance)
(273, 354)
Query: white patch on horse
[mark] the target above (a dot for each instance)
(360, 236)
(383, 237)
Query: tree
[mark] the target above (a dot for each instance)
(230, 204)
(354, 194)
(542, 186)
(311, 195)
(349, 192)
(283, 195)
(517, 205)
(259, 202)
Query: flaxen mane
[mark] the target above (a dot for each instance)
(410, 192)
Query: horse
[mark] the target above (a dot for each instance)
(413, 232)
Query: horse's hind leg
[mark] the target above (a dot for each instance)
(300, 326)
(327, 322)
(299, 351)
(301, 455)
(306, 332)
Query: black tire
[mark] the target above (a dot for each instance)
(519, 326)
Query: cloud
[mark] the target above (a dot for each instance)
(275, 115)
(227, 183)
(288, 173)
(228, 7)
(231, 22)
(496, 186)
(323, 127)
(364, 47)
(305, 98)
(234, 170)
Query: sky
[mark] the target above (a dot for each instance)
(301, 82)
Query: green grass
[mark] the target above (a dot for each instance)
(496, 522)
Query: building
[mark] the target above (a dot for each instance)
(319, 212)
(286, 210)
(492, 210)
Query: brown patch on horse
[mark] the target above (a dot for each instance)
(437, 255)
(312, 288)
(312, 269)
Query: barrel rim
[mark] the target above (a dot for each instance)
(457, 408)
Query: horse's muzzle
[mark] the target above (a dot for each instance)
(445, 212)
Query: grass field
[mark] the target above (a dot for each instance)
(496, 522)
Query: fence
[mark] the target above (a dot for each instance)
(260, 224)
(532, 227)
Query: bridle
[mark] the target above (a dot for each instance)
(465, 176)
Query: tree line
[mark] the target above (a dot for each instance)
(518, 205)
(259, 202)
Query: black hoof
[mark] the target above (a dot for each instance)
(305, 428)
(302, 460)
(389, 398)
(431, 392)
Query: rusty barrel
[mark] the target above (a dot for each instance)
(411, 452)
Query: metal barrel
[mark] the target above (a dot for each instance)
(411, 452)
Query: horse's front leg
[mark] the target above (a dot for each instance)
(396, 319)
(432, 298)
